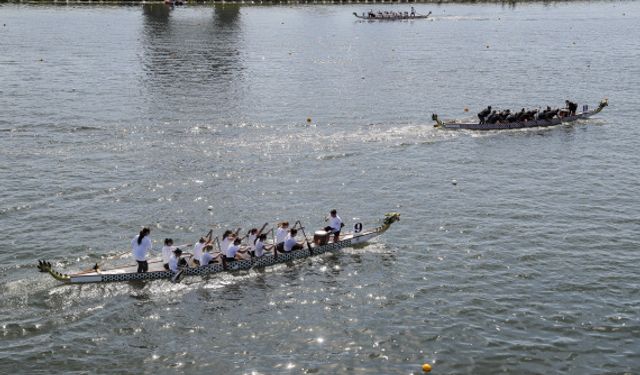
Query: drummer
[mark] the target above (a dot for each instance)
(335, 225)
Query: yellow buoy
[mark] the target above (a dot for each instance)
(426, 367)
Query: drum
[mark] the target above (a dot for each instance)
(320, 238)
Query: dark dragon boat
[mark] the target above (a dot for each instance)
(586, 113)
(321, 244)
(390, 16)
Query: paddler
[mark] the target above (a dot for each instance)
(197, 250)
(290, 243)
(281, 235)
(167, 250)
(227, 240)
(260, 246)
(140, 245)
(531, 115)
(543, 115)
(233, 252)
(483, 114)
(252, 236)
(174, 260)
(207, 257)
(493, 117)
(504, 114)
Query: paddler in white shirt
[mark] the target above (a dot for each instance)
(207, 258)
(197, 250)
(233, 252)
(281, 235)
(290, 243)
(174, 260)
(252, 236)
(227, 240)
(140, 245)
(167, 251)
(260, 245)
(335, 225)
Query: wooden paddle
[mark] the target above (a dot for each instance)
(273, 238)
(305, 237)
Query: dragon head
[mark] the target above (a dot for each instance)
(391, 218)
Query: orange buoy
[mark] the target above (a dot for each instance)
(426, 367)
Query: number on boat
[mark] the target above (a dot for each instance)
(357, 228)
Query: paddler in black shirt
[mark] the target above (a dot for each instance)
(493, 117)
(484, 113)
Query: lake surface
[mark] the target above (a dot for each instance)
(116, 117)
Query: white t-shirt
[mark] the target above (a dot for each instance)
(197, 251)
(289, 243)
(173, 263)
(252, 241)
(140, 251)
(335, 223)
(224, 245)
(167, 252)
(206, 259)
(232, 251)
(259, 250)
(281, 234)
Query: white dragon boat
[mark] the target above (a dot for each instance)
(454, 125)
(320, 245)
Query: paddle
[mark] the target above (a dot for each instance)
(258, 233)
(261, 229)
(273, 239)
(305, 237)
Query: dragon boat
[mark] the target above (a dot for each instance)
(319, 244)
(586, 113)
(396, 16)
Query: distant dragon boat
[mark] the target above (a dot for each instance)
(586, 113)
(321, 244)
(391, 17)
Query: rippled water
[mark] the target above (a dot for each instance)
(116, 117)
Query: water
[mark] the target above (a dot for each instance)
(117, 117)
